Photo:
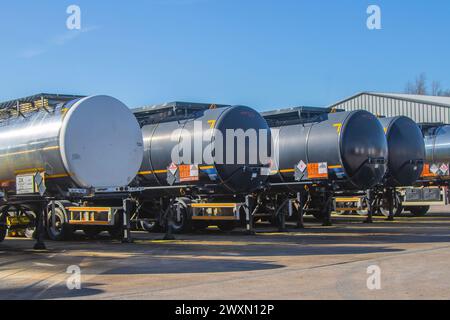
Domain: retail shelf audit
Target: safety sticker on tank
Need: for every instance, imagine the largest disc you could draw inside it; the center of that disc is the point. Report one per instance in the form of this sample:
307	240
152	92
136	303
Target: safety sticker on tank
434	169
189	173
318	170
173	168
444	169
302	166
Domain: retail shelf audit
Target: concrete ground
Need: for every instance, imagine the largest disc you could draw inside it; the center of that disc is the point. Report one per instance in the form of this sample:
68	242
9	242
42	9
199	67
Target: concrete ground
412	254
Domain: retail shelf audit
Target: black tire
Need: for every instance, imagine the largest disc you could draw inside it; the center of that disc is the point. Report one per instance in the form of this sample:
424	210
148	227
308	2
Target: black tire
419	211
62	230
184	224
3	227
226	226
30	232
384	211
116	231
149	226
3	233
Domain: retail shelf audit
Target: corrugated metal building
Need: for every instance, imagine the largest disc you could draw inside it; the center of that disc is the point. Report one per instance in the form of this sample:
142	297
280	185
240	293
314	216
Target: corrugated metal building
422	109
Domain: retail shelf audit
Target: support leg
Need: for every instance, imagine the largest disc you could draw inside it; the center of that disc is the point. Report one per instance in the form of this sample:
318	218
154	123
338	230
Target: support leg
282	217
249	216
370	207
53	214
126	221
390	198
327	218
169	223
40	227
301	212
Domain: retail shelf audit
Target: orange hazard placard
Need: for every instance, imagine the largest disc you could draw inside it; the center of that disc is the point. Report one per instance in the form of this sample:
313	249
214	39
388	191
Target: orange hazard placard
189	173
318	171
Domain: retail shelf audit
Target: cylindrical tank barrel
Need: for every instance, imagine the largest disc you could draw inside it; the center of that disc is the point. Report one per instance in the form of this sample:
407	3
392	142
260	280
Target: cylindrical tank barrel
92	142
351	146
406	151
204	148
438	145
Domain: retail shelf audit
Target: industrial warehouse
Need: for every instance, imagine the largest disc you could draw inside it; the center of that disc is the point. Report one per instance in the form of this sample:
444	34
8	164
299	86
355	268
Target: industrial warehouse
306	172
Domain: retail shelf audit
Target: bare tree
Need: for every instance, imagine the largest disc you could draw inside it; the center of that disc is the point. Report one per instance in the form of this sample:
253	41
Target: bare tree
436	88
419	86
444	93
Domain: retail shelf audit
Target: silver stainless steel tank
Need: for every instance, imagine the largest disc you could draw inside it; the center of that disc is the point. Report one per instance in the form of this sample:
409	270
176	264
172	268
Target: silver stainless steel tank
92	142
406	151
438	145
352	145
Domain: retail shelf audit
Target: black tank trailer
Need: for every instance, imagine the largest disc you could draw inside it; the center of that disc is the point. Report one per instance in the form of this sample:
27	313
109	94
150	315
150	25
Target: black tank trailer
405	164
322	154
195	182
432	187
406	154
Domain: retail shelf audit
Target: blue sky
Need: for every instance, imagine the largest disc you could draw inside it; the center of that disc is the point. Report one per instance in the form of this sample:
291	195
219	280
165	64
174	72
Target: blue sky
260	53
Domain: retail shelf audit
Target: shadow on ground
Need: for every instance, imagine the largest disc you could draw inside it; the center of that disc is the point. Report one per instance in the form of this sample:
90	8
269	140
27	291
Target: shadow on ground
39	292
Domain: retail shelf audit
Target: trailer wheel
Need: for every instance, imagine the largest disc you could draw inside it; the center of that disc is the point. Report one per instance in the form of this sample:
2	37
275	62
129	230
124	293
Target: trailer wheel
3	228
61	230
383	208
419	211
184	223
149	226
30	232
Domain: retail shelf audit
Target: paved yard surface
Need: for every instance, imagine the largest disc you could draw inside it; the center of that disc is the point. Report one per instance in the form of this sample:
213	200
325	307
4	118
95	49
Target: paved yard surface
413	255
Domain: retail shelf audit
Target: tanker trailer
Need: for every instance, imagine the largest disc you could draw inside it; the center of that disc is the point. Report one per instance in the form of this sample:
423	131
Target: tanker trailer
65	148
324	154
405	163
205	156
432	189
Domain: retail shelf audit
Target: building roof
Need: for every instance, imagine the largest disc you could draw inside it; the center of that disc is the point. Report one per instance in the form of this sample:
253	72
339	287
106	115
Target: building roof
433	100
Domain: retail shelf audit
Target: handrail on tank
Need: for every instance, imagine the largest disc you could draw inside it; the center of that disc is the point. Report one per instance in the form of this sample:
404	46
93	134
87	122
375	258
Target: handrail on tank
173	111
297	115
23	106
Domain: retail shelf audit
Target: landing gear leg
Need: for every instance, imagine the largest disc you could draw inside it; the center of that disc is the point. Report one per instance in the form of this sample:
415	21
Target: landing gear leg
40	227
327	218
390	197
370	208
282	217
301	212
127	203
249	216
169	223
